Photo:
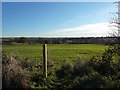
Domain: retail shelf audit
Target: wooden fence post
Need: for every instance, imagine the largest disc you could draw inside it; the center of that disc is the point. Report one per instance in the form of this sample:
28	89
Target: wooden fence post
45	60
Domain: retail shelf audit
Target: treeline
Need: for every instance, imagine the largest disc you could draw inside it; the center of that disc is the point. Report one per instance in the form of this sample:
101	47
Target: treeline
82	40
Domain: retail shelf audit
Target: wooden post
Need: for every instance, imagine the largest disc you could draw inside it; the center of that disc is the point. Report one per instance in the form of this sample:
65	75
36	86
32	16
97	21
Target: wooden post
45	60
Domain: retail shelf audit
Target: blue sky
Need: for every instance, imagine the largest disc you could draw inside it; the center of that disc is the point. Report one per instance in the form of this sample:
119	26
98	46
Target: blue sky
56	19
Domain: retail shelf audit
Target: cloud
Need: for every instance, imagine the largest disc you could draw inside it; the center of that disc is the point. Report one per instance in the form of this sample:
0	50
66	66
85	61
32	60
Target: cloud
89	30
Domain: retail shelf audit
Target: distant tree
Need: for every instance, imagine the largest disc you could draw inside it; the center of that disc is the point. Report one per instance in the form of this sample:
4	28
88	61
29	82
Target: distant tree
22	40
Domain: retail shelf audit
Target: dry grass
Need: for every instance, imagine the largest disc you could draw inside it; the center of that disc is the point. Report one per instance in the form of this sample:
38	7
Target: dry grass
13	76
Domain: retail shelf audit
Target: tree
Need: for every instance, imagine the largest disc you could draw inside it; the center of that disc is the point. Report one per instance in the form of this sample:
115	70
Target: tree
115	23
22	40
118	22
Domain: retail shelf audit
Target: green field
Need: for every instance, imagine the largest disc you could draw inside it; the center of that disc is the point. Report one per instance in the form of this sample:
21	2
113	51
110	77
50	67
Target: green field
56	52
65	69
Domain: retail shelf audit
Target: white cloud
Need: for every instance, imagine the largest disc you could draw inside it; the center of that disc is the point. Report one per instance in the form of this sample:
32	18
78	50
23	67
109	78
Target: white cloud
89	30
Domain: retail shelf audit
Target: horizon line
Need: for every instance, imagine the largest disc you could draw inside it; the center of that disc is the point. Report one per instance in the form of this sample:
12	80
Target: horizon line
51	37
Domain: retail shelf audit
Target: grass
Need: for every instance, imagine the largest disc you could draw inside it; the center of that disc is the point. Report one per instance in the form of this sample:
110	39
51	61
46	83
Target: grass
73	51
56	52
97	73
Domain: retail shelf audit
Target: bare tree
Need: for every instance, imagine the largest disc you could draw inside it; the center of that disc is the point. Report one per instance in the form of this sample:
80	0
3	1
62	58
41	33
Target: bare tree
119	22
115	24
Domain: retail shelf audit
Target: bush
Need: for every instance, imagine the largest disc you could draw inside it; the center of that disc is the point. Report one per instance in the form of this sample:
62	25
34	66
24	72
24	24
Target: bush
109	63
93	80
82	68
65	70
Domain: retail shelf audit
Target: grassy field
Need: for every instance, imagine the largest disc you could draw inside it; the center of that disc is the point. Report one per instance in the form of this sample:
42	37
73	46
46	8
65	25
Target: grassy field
60	73
56	52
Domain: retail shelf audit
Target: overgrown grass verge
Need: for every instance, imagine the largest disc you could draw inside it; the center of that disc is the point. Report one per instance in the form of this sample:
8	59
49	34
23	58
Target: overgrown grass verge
98	72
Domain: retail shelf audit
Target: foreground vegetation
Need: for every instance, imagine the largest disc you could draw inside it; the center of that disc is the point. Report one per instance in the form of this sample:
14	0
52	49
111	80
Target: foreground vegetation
101	71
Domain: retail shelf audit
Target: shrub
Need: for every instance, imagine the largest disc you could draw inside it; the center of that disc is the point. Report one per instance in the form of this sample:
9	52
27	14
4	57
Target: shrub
93	80
109	63
82	68
65	70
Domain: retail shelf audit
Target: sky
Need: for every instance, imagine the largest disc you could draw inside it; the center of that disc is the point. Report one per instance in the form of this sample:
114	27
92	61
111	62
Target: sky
56	19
